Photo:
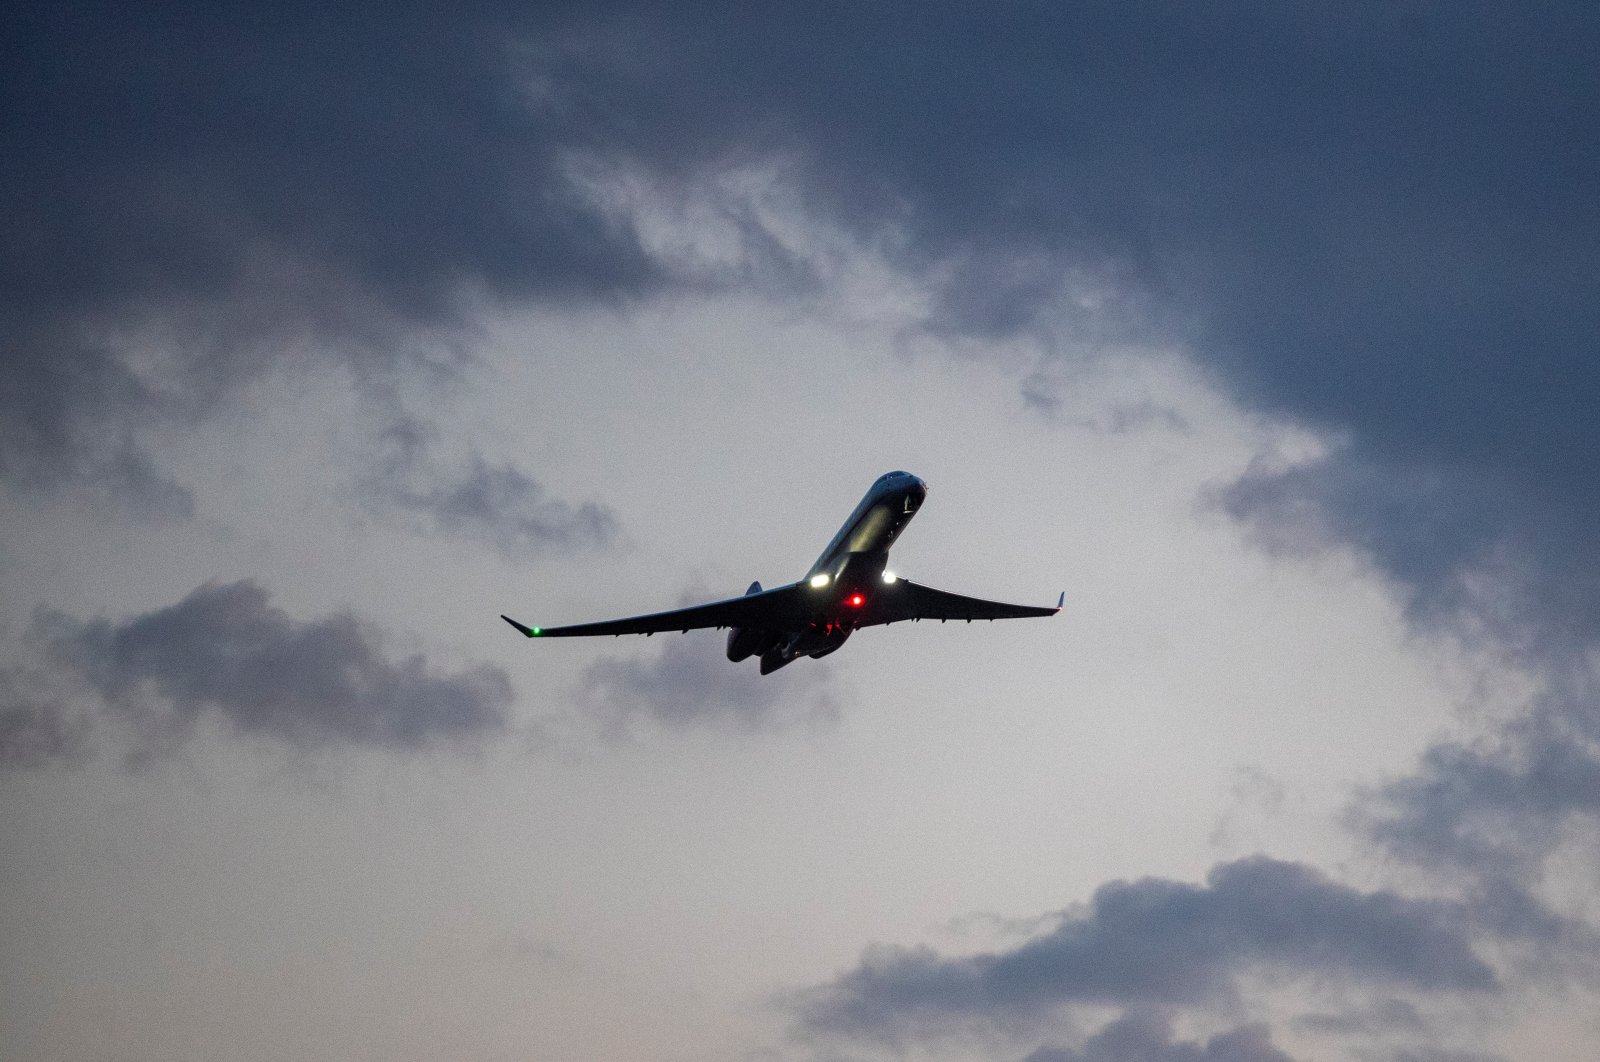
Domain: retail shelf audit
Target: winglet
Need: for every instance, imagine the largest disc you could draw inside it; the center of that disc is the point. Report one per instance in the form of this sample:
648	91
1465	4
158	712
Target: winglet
1062	600
531	632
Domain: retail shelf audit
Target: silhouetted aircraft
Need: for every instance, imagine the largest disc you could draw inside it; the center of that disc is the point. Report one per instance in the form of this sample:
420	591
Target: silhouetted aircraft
849	587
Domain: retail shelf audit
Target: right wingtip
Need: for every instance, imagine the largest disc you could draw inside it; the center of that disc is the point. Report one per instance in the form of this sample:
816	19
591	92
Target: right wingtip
528	632
1060	601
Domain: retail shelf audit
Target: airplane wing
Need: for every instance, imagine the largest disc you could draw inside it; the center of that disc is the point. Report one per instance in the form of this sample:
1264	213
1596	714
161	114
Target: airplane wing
780	608
906	600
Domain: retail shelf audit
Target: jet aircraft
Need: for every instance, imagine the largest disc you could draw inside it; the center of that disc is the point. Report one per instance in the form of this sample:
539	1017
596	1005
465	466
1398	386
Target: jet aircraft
849	587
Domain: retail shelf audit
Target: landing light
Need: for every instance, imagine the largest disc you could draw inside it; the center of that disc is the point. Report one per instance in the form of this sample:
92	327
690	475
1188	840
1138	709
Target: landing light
889	576
819	581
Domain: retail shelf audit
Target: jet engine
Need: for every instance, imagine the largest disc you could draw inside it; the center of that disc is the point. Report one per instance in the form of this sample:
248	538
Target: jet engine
748	641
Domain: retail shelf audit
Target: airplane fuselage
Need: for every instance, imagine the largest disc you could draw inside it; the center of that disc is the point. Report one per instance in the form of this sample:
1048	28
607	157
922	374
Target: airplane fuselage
853	565
859	553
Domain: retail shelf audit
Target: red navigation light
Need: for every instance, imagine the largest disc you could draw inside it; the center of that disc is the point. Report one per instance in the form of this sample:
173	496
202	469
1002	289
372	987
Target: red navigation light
856	601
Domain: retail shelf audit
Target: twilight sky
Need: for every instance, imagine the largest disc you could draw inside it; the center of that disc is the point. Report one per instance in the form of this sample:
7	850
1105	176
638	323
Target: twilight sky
1265	330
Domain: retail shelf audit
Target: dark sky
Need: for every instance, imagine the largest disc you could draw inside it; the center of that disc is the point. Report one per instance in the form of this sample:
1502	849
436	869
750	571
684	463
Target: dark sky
327	332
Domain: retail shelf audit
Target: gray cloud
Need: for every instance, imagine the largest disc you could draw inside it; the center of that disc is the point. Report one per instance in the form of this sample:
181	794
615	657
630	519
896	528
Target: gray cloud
1368	218
1385	1016
38	734
1496	808
1483	557
1145	1036
225	652
502	504
1436	1054
689	684
1163	942
201	194
495	503
1494	819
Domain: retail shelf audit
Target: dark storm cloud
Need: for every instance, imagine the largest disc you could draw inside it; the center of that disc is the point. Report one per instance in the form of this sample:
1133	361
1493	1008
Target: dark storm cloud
1164	942
196	193
690	684
226	652
1147	1037
1372	218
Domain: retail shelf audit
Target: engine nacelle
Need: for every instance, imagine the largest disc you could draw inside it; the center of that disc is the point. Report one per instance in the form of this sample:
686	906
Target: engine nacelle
748	641
776	657
744	642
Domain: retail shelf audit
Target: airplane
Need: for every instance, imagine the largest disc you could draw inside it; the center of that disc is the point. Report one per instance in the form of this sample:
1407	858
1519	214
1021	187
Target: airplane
850	587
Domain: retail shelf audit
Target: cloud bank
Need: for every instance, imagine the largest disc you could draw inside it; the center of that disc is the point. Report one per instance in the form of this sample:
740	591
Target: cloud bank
205	195
226	653
1369	219
1145	1036
1155	942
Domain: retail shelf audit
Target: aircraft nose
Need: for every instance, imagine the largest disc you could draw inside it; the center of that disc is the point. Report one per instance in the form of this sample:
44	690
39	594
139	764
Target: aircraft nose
916	492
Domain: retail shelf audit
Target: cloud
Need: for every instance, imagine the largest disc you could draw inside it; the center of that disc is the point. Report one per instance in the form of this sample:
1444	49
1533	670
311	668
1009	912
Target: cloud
38	734
495	503
1385	1015
502	504
1493	808
1358	218
1159	942
1370	229
1144	1036
203	194
1483	557
1373	230
689	684
1436	1054
1504	821
224	652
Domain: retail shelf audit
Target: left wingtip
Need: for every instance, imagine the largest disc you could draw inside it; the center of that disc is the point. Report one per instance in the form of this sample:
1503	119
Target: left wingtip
530	632
1060	601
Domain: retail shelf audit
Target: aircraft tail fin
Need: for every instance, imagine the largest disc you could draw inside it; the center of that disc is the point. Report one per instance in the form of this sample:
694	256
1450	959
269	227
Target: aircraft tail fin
755	588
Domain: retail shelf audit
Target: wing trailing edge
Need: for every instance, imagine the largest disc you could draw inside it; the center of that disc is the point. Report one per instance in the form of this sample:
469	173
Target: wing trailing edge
906	600
781	608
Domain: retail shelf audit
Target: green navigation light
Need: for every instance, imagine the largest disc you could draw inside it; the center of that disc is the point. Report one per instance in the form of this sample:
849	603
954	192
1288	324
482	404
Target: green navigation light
537	631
